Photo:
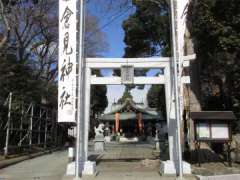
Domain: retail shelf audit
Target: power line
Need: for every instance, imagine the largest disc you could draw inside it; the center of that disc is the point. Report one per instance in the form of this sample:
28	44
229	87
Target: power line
117	15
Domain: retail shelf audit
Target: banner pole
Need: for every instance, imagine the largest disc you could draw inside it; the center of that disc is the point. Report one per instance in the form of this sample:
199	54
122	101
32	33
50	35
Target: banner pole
80	127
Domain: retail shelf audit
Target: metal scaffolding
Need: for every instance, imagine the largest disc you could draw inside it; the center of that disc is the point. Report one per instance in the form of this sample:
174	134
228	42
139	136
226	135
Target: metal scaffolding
25	126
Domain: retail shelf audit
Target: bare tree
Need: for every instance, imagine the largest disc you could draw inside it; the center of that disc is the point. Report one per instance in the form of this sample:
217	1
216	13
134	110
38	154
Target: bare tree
33	34
4	24
5	10
95	42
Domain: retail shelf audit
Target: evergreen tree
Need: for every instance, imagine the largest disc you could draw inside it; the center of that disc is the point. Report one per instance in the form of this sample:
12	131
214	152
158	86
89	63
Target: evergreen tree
156	98
126	95
147	31
215	28
99	99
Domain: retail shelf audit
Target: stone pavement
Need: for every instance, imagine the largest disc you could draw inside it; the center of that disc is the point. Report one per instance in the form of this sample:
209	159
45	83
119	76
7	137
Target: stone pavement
19	158
129	170
127	161
131	176
124	151
47	167
118	162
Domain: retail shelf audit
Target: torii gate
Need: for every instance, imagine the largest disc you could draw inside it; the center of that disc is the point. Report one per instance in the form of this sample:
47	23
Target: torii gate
166	79
68	52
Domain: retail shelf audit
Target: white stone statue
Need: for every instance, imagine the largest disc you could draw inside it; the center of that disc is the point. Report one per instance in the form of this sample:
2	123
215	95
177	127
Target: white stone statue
99	130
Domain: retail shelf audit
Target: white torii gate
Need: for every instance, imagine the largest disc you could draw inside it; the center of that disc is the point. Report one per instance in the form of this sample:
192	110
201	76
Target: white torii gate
172	165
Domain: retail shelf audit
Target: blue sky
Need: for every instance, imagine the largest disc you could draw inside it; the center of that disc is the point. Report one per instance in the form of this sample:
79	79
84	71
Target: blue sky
115	38
111	24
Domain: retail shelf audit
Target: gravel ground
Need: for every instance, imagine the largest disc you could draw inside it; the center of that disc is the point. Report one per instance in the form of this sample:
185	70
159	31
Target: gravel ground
218	168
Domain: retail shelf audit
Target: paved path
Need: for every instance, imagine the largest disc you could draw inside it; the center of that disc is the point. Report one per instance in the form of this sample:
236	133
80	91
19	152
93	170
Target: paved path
47	167
129	167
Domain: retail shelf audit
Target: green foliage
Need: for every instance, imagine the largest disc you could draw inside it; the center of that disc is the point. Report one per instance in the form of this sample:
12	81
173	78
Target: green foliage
99	99
215	28
147	31
126	95
18	78
156	98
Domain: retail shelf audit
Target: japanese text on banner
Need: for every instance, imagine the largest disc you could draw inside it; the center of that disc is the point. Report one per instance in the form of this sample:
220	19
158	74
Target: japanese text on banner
67	61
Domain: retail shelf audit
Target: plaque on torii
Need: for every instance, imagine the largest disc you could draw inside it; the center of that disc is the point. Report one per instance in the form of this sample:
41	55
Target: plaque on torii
127	74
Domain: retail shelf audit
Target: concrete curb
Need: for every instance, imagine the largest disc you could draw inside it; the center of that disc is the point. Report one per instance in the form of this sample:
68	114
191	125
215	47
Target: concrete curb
8	162
220	177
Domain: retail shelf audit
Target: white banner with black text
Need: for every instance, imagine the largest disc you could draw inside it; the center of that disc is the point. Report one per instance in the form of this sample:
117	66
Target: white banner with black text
67	61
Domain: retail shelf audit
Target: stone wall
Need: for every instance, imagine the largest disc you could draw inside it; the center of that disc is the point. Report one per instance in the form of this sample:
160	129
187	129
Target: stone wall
235	148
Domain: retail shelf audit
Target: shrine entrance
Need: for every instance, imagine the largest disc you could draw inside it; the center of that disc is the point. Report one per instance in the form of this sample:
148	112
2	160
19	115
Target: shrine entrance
74	90
133	120
165	79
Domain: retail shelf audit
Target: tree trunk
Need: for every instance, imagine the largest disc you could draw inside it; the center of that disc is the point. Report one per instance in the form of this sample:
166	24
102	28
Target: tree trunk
192	92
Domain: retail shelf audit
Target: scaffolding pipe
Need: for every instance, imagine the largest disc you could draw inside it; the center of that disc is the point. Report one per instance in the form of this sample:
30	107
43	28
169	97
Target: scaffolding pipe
39	126
8	124
45	131
21	127
31	127
53	128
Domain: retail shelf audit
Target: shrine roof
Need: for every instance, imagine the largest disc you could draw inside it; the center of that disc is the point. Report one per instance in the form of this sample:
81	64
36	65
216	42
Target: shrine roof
128	110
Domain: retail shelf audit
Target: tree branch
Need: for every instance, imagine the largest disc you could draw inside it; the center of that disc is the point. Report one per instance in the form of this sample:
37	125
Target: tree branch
7	26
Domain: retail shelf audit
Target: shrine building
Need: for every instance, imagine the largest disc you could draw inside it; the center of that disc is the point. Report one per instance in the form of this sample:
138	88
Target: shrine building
133	119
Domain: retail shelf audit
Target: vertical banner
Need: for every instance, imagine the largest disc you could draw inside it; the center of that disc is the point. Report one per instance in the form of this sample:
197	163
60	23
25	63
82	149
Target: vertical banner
67	61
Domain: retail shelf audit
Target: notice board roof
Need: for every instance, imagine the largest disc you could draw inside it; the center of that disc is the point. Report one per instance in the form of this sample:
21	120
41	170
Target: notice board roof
213	115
